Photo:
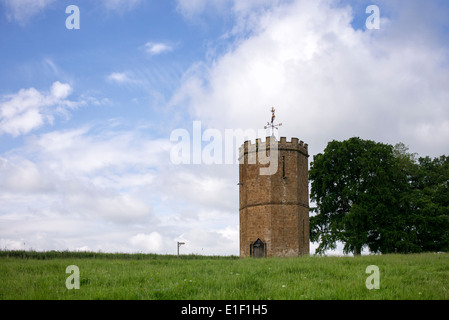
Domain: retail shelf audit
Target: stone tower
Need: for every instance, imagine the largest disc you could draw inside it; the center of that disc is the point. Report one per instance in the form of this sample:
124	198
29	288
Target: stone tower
274	207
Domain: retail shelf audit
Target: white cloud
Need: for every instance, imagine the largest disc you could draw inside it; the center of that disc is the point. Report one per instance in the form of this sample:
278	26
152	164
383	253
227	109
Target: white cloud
106	188
152	242
60	90
155	48
327	80
119	77
203	188
23	176
89	150
76	188
23	10
30	109
88	201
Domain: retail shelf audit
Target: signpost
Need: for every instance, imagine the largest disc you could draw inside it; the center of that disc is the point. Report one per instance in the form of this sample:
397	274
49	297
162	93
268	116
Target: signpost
180	244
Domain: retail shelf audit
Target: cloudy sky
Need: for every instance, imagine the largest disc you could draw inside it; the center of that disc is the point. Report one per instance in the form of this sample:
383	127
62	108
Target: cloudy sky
86	114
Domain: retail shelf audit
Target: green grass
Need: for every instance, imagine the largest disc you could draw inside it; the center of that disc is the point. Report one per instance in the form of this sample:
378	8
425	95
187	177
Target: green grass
39	275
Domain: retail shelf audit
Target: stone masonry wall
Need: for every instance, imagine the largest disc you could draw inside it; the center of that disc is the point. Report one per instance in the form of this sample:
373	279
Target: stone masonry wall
275	208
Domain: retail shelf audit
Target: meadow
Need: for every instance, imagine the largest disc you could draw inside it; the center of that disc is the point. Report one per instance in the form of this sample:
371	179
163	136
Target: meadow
42	276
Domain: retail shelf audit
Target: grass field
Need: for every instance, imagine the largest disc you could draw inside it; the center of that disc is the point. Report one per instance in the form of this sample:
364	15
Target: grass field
39	275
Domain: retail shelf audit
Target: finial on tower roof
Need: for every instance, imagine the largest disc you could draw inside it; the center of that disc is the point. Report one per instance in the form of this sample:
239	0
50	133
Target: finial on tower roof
271	124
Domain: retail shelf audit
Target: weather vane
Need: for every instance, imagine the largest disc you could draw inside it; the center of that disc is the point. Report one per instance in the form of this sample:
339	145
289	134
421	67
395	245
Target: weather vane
271	124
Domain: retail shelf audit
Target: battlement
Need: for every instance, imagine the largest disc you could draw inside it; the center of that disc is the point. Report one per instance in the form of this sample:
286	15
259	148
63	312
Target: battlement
294	145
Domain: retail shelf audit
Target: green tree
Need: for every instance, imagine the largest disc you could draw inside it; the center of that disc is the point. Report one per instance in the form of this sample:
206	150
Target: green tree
387	199
427	198
429	201
358	189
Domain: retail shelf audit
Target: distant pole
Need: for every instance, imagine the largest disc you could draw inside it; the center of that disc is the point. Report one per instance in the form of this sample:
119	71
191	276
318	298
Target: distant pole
180	244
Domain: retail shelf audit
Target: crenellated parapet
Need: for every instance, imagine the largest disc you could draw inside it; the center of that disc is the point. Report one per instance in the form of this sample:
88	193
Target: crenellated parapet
271	142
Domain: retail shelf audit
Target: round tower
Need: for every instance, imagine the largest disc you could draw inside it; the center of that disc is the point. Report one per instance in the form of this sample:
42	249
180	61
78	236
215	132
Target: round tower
274	198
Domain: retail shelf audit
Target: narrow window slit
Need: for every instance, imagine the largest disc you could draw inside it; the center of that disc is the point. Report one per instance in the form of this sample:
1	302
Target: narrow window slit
283	167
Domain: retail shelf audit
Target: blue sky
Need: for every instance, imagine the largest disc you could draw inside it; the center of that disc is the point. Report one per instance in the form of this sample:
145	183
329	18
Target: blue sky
110	41
86	115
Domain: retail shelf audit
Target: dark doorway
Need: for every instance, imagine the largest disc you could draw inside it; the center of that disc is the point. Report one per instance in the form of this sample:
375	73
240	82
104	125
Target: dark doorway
257	249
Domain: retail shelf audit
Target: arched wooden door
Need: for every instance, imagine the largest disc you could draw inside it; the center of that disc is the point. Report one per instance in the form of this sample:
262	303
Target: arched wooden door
258	249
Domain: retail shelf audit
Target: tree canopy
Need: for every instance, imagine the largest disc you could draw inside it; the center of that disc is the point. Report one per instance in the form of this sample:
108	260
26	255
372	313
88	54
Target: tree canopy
374	195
